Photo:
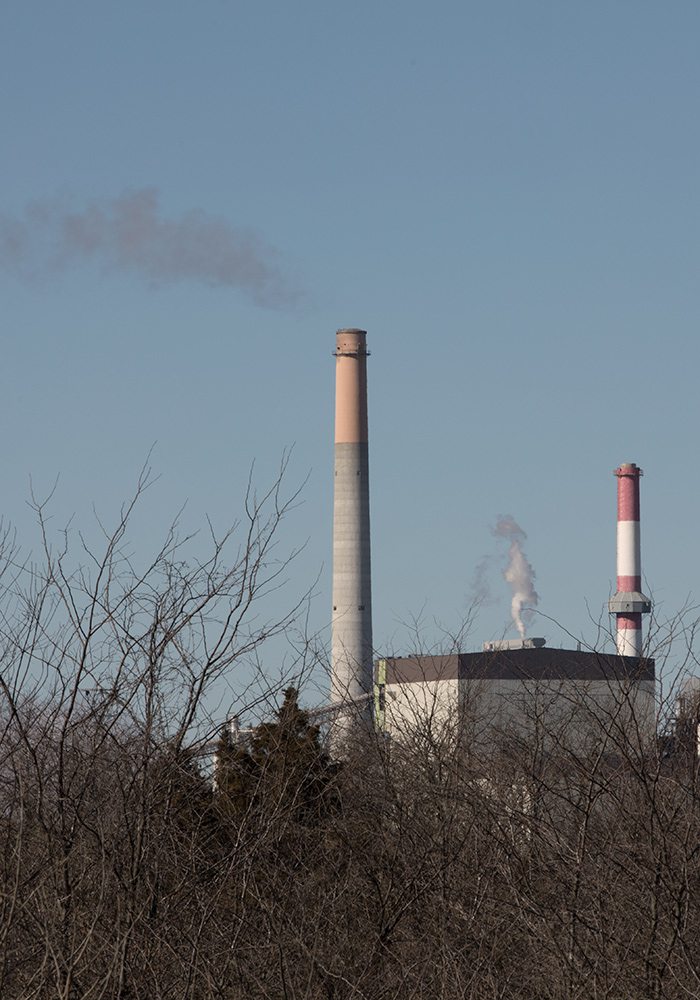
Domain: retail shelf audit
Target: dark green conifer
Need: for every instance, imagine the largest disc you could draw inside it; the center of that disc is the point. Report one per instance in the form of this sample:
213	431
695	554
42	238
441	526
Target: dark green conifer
280	769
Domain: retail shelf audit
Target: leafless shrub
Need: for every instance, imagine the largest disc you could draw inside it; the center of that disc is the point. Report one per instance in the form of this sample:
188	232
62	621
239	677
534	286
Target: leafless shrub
456	862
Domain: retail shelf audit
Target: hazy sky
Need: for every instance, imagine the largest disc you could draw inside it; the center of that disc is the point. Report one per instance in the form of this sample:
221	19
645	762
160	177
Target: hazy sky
503	193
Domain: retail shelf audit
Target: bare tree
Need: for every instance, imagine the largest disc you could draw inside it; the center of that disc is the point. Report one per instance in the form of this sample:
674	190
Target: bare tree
458	861
107	672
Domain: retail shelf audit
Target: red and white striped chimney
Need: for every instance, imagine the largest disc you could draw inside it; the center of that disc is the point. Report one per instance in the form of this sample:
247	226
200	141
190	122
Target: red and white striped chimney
629	603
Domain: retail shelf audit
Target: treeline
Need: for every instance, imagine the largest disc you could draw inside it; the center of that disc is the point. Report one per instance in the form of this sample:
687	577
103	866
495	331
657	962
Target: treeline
413	871
418	869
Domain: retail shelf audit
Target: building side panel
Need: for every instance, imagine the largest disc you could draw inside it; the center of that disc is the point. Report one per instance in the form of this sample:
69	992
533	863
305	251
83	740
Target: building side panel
492	713
422	709
569	715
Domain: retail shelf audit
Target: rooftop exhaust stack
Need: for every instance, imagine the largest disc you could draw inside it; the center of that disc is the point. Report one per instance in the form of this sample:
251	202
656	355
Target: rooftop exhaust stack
351	651
629	603
499	645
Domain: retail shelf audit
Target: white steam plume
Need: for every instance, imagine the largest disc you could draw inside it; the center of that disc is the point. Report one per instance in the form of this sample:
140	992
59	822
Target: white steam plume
129	233
519	573
480	594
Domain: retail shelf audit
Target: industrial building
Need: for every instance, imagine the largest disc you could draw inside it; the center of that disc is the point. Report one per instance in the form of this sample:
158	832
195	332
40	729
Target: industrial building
522	690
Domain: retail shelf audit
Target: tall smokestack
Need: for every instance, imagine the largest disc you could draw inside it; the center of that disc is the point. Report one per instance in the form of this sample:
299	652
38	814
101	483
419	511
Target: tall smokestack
629	603
352	588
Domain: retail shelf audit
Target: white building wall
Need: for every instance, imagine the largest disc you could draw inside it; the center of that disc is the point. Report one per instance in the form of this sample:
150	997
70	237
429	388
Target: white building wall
571	714
426	708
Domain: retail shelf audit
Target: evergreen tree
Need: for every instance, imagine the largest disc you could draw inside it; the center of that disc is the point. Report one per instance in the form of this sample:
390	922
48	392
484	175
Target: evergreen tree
280	769
234	775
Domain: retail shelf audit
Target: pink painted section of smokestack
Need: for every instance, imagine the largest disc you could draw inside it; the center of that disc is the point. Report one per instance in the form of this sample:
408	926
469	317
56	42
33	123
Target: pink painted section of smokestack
629	603
350	387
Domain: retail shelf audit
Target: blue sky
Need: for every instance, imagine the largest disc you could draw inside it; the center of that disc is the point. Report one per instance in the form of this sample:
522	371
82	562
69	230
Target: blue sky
504	194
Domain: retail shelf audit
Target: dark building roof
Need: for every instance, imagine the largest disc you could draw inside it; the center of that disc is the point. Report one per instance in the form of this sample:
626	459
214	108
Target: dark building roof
543	664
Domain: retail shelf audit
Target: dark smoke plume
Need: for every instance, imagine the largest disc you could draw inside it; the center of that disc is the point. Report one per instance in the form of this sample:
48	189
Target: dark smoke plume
130	234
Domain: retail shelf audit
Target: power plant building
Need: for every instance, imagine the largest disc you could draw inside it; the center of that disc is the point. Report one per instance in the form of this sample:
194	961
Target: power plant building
523	690
511	688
